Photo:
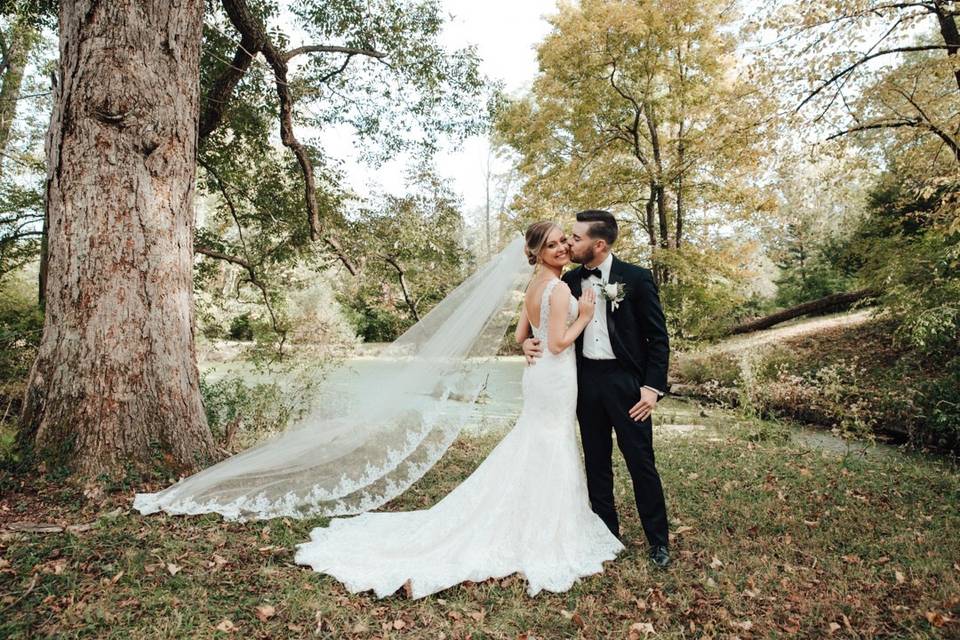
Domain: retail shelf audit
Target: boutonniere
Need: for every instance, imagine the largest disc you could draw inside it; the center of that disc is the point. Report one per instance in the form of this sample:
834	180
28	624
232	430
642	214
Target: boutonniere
615	292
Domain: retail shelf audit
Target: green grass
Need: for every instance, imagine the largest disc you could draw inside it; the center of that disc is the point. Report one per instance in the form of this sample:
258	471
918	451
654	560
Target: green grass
771	539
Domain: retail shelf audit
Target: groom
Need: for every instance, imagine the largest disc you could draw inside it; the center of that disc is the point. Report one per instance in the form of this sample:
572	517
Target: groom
622	360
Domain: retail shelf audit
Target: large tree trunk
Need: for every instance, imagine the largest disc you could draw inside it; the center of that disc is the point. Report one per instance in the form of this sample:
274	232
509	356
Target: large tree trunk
22	39
115	382
833	302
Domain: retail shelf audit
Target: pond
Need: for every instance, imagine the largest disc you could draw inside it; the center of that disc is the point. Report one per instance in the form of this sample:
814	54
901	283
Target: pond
502	401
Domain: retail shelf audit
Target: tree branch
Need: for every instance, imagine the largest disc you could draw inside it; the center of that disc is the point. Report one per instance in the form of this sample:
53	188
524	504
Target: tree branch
862	60
403	285
251	27
224	85
321	48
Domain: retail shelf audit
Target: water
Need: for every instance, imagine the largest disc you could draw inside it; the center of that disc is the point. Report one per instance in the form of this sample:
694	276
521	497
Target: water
501	402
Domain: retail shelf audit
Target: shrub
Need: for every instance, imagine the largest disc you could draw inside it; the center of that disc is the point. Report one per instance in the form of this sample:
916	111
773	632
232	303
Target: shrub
241	327
718	367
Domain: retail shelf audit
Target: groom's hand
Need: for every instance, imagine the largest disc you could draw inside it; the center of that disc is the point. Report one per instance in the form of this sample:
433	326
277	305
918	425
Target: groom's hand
642	410
532	350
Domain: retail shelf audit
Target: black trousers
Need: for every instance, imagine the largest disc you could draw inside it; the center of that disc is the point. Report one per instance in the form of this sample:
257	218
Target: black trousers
606	392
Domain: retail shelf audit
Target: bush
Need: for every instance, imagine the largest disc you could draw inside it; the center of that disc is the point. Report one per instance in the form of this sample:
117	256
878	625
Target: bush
241	327
938	403
717	367
21	326
241	413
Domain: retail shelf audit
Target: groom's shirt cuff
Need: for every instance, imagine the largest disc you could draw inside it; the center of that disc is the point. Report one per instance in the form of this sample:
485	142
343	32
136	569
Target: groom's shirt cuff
657	391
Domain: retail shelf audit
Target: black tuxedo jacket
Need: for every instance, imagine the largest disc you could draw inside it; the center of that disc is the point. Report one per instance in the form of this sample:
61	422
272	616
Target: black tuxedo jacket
638	330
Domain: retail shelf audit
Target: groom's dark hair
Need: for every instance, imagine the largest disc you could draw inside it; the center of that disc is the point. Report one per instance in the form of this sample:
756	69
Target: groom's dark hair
603	225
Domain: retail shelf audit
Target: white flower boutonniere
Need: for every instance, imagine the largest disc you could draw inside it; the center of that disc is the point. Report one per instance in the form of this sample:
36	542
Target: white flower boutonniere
615	292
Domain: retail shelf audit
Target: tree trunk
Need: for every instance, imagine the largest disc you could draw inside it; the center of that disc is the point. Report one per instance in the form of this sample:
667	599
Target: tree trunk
950	34
23	37
403	287
827	303
681	158
115	382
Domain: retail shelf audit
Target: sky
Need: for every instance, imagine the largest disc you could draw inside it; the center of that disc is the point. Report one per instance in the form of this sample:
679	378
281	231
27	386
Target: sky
506	33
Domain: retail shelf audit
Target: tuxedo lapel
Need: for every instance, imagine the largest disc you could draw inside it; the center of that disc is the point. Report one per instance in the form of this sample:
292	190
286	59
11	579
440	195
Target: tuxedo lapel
576	282
616	275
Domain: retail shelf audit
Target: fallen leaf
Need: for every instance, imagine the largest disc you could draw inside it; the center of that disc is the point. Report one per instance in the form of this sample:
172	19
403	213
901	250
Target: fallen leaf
682	530
638	628
217	562
832	628
716	563
174	569
265	611
900	578
399	624
227	626
936	618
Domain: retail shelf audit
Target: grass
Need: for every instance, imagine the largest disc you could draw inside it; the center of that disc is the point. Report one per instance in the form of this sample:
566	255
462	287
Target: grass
771	539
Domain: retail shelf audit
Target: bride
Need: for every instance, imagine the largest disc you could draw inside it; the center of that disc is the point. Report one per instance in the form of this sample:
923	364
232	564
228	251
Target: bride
525	509
377	428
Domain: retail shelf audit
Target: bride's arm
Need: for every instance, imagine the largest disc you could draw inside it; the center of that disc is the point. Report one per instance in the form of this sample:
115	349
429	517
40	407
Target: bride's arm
559	335
523	326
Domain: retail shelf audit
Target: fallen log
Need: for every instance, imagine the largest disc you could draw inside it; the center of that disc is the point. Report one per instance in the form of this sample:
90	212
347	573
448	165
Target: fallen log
832	302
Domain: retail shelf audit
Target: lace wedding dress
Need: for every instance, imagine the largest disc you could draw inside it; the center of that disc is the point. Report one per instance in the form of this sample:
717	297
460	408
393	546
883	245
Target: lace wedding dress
525	509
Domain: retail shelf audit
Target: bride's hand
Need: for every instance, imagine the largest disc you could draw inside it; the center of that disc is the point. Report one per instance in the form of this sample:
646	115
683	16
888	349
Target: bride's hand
588	301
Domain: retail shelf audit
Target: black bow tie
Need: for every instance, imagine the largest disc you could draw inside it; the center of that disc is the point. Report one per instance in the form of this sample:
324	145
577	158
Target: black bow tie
592	272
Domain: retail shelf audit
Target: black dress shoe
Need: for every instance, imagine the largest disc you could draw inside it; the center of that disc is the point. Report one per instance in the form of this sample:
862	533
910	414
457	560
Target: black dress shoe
660	556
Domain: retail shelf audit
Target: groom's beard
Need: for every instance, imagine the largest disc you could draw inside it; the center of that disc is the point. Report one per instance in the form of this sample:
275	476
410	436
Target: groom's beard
583	258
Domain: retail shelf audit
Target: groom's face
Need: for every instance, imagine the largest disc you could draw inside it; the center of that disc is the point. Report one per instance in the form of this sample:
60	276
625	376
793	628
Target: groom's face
583	248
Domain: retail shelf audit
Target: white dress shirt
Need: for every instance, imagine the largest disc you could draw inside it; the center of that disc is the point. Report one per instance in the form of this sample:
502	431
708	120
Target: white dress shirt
596	335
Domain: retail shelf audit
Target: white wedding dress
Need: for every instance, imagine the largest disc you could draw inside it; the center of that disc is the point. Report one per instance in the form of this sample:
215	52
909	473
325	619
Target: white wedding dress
525	509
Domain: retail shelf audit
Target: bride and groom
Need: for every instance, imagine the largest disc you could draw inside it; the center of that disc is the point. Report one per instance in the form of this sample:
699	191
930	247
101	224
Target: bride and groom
597	345
597	351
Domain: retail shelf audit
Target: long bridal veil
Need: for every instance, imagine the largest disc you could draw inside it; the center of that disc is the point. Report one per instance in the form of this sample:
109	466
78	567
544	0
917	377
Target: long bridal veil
370	436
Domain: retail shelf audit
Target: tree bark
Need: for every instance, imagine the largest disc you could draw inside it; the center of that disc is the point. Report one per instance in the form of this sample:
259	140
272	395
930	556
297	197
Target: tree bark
23	37
950	33
827	303
115	382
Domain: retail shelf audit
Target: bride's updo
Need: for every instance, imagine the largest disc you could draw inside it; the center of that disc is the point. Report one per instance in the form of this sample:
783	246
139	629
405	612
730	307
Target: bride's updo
536	237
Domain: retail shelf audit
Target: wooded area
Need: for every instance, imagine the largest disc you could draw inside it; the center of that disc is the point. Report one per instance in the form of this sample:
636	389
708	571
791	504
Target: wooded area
764	166
187	253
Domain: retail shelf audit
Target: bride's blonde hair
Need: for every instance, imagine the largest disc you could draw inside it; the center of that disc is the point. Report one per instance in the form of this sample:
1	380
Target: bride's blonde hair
537	237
